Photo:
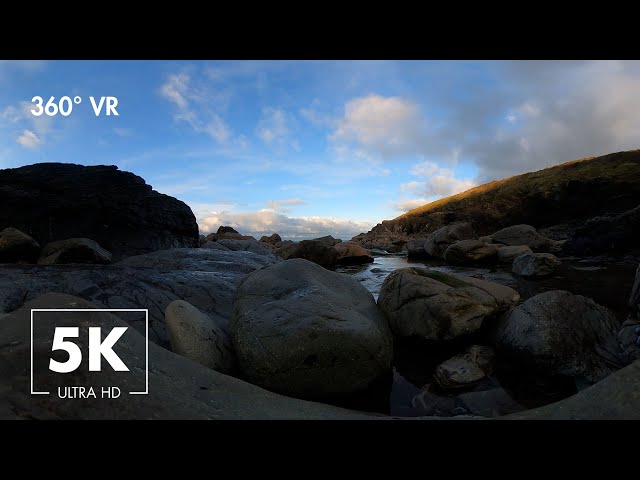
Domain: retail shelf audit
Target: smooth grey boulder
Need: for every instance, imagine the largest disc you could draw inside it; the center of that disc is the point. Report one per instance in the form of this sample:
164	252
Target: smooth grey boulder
17	246
559	333
438	241
194	335
73	250
508	254
246	246
535	264
471	252
302	330
524	235
440	306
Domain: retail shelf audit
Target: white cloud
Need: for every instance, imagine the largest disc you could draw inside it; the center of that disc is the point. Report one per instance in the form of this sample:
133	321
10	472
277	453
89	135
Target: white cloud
278	205
195	102
28	139
381	127
406	205
439	181
266	222
273	129
11	114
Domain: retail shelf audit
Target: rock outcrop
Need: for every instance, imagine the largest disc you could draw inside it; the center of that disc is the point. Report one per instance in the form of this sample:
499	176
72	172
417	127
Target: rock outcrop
518	235
350	253
57	201
203	277
471	252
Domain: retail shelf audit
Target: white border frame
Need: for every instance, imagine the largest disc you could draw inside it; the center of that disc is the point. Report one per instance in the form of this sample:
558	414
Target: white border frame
146	338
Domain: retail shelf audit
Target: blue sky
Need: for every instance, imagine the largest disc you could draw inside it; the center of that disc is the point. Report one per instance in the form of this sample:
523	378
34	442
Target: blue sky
307	148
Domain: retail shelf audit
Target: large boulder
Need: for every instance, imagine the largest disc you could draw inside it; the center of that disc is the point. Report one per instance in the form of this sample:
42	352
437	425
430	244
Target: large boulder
304	331
508	254
524	235
437	242
471	252
73	250
203	277
350	253
558	333
178	387
194	335
316	251
440	306
415	248
56	201
16	246
535	264
616	234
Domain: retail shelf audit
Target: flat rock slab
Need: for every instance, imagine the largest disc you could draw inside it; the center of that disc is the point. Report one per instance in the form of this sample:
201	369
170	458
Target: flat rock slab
203	277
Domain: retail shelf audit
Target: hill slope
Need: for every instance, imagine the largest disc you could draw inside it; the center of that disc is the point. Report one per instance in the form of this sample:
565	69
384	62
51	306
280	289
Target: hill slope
568	193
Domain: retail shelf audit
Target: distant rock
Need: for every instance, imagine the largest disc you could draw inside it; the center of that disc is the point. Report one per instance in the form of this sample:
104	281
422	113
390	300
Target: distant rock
245	245
466	369
471	252
57	201
437	243
316	251
327	241
440	306
350	253
73	250
202	240
223	229
559	333
194	335
304	331
16	246
508	254
273	239
524	235
535	264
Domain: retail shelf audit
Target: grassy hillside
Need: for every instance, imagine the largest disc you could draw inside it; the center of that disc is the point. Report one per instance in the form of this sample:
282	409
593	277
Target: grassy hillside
565	193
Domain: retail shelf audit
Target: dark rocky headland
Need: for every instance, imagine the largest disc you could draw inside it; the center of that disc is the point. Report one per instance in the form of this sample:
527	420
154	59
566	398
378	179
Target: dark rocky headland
519	299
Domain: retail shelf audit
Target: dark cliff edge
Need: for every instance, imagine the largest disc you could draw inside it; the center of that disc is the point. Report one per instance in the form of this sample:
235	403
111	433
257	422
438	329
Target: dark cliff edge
55	201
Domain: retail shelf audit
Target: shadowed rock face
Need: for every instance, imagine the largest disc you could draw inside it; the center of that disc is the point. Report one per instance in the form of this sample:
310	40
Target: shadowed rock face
57	201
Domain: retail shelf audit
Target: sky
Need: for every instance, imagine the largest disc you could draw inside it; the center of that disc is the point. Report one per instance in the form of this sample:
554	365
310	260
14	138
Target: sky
310	148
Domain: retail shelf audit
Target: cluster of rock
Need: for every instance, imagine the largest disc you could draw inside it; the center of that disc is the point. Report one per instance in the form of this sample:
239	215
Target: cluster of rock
18	247
553	334
521	246
325	251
